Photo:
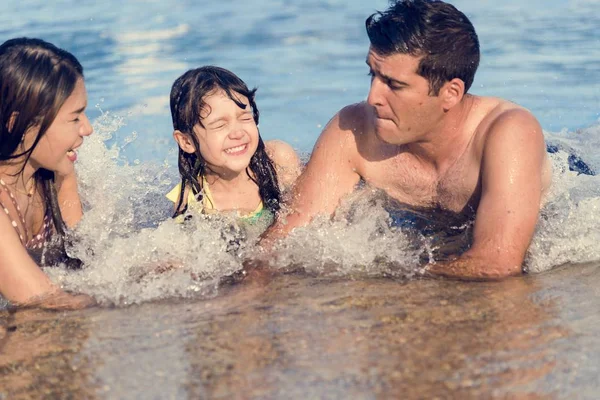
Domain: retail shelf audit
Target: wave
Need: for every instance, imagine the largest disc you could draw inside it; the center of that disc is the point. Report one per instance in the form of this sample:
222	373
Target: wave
134	252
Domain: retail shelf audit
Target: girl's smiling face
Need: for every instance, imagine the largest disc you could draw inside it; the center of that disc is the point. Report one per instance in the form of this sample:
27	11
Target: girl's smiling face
56	150
228	136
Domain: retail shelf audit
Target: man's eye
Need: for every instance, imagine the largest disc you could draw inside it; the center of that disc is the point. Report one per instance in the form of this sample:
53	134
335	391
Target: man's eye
393	86
76	120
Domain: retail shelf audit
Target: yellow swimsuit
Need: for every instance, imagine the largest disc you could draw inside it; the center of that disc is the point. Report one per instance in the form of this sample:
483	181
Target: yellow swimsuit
208	206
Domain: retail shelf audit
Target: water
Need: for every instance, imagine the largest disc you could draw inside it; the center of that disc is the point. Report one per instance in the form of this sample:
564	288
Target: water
357	321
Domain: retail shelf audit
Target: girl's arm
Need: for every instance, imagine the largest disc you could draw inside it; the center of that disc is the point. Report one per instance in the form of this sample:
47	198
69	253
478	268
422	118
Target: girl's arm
68	199
286	161
22	282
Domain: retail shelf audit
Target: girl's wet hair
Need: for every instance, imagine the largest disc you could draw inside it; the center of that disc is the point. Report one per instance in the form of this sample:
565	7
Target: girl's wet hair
187	102
36	78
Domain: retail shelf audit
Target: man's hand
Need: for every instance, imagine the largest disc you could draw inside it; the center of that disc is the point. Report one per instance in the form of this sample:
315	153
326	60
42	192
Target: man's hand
473	269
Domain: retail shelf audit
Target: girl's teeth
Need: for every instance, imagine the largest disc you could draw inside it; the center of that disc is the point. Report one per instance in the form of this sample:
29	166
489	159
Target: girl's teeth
235	149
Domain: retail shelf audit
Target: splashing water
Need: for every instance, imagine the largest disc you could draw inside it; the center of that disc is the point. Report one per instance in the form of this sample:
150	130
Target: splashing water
359	241
568	230
134	251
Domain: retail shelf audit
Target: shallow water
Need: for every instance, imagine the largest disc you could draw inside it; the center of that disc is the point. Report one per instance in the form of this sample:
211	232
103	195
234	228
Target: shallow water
358	321
297	336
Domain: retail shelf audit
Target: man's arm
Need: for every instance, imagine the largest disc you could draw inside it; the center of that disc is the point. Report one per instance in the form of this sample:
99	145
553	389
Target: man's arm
329	175
512	170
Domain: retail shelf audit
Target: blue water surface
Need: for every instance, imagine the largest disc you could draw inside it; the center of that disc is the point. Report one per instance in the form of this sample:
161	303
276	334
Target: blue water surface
307	58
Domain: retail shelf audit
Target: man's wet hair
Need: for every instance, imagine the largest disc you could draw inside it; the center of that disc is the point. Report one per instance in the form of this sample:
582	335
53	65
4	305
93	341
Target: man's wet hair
436	31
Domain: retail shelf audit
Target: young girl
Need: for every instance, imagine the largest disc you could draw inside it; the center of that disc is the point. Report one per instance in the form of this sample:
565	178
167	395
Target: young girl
224	164
42	123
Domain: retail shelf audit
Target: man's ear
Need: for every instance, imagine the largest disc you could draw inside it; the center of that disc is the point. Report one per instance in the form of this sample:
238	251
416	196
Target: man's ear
452	93
184	142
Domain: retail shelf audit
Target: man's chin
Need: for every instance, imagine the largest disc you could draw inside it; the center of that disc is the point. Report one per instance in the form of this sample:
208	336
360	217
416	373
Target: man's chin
385	136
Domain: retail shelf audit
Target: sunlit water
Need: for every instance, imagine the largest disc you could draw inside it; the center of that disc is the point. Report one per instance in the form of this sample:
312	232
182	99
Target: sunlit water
307	58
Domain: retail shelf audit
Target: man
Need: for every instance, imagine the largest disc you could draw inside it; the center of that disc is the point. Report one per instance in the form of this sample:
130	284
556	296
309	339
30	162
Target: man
427	143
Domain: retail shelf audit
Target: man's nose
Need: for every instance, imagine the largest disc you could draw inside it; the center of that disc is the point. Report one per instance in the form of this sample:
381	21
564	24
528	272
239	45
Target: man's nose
375	97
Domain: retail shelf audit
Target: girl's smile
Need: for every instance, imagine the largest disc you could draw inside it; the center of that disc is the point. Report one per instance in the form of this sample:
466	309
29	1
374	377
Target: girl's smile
238	150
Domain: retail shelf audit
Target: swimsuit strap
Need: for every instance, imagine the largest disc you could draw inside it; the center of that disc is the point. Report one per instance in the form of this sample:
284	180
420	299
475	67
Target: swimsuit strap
37	241
23	235
209	203
207	195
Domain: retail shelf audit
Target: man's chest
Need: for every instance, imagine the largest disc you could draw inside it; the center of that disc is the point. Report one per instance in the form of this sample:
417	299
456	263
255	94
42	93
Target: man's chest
405	180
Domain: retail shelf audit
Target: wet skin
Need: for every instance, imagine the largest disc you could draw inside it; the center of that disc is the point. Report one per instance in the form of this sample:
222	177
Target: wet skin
454	151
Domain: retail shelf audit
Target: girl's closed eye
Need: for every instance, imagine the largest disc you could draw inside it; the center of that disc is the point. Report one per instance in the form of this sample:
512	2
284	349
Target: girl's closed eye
220	124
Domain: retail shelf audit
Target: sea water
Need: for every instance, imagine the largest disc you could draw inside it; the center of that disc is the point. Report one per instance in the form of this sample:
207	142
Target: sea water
307	59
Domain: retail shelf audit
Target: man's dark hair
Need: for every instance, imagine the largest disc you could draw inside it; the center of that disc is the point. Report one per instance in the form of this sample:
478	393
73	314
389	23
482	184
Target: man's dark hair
432	29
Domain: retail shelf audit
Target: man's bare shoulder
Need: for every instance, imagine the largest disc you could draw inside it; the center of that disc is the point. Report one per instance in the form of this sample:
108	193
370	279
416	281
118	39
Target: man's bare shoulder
355	118
351	121
345	131
511	120
496	110
501	120
513	133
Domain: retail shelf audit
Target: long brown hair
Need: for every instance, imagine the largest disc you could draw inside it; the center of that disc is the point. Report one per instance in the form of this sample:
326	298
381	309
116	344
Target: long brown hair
36	78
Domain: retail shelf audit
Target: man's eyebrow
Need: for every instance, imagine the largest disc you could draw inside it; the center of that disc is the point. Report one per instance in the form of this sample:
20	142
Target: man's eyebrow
387	78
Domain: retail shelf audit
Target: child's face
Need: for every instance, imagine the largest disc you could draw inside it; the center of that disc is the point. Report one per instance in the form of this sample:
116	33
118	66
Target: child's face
229	137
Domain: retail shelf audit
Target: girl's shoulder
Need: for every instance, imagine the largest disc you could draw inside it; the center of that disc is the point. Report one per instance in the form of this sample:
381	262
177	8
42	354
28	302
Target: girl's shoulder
286	160
281	152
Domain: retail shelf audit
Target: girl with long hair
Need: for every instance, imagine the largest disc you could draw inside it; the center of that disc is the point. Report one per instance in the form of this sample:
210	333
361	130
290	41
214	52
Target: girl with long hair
223	162
42	123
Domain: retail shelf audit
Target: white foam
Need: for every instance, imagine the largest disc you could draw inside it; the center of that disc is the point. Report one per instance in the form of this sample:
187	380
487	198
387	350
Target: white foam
134	251
568	230
358	241
126	232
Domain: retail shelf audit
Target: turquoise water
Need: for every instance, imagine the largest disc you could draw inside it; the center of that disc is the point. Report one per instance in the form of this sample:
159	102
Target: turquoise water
307	58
